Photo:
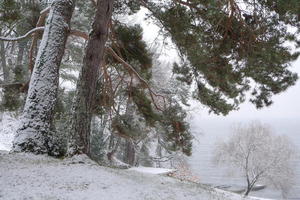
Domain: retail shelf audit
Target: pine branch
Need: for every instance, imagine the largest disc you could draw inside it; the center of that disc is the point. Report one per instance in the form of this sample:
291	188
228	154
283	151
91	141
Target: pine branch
79	34
126	65
17	84
37	29
131	69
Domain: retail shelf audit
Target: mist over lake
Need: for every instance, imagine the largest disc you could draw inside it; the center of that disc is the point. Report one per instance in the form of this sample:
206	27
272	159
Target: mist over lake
209	131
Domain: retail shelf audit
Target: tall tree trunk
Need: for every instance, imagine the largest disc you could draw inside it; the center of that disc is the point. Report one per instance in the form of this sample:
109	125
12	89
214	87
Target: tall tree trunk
11	97
19	68
248	190
9	102
129	151
3	63
129	154
249	187
35	134
86	86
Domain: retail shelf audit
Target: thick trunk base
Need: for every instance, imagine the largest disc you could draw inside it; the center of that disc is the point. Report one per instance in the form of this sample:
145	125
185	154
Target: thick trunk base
35	133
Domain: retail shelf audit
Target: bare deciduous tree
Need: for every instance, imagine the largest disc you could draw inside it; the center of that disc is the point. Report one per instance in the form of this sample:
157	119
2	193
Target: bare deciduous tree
260	155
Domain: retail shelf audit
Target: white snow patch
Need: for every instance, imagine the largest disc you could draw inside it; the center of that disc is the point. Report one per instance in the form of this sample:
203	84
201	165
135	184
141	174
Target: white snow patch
152	170
8	127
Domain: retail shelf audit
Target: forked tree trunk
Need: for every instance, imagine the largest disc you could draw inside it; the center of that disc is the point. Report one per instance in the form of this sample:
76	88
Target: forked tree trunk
248	190
86	86
250	185
35	131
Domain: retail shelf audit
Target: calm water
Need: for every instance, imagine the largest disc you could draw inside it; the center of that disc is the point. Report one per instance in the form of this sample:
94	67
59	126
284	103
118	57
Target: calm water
214	130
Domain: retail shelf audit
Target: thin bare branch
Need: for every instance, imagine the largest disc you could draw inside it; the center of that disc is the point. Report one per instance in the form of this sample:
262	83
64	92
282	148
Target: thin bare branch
29	33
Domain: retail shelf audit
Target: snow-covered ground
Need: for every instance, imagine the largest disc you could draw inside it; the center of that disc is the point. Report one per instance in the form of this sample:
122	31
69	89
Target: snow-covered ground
152	170
32	177
27	176
8	125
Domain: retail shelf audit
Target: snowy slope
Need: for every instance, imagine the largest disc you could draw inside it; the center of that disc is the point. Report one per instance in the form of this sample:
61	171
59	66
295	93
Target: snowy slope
26	176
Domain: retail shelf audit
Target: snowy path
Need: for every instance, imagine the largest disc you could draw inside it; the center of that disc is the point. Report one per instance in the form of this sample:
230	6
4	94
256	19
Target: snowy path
25	176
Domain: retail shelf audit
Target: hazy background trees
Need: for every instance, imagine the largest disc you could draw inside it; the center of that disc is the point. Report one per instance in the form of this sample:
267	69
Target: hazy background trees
260	155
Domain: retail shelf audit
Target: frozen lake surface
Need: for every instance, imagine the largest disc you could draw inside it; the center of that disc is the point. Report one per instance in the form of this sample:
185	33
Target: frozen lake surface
214	130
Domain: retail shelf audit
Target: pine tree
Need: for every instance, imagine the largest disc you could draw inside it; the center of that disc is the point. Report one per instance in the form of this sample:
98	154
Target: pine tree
222	49
225	53
86	86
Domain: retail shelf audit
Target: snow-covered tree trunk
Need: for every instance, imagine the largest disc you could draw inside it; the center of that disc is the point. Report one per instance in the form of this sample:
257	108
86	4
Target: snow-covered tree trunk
86	86
35	132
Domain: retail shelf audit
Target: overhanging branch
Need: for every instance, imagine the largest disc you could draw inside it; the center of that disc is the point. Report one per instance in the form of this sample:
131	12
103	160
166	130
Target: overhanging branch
29	33
126	65
131	69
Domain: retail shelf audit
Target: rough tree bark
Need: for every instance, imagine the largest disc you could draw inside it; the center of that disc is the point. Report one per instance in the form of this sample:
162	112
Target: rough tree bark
86	85
3	62
129	154
7	101
35	131
19	69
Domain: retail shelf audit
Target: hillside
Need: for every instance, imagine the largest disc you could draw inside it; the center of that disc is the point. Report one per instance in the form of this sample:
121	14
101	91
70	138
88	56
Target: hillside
27	176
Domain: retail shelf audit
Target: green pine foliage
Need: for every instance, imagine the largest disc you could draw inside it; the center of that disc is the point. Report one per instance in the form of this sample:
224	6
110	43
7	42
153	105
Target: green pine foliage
223	49
10	11
176	130
127	127
131	47
144	106
225	53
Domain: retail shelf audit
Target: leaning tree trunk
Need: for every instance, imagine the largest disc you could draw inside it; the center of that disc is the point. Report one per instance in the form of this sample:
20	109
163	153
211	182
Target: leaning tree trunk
86	86
35	131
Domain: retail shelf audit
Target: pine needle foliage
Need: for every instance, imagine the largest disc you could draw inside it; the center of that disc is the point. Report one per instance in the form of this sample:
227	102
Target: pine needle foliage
176	130
225	48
